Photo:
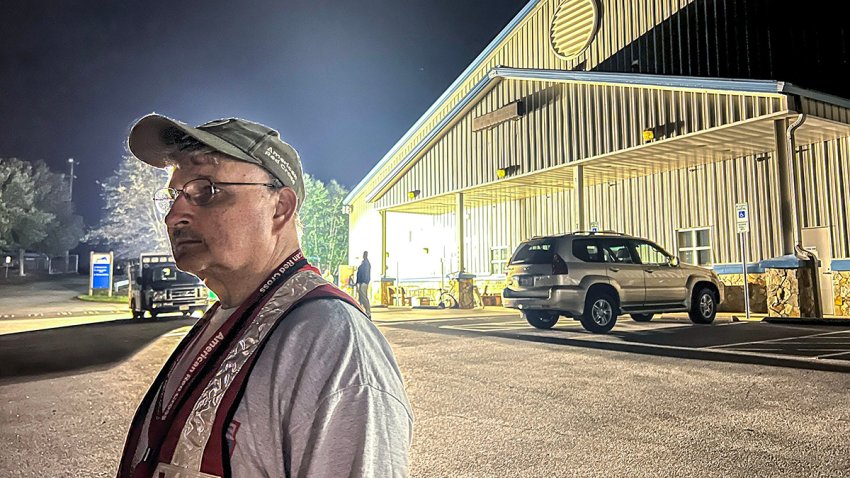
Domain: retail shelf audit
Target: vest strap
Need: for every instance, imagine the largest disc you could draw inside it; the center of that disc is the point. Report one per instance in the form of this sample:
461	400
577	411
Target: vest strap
189	452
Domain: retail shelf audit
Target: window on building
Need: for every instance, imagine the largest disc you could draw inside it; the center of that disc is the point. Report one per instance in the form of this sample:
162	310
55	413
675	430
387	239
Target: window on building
695	246
499	259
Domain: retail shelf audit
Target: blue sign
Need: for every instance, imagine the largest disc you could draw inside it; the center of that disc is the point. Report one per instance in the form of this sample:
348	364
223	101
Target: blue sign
101	271
742	214
100	276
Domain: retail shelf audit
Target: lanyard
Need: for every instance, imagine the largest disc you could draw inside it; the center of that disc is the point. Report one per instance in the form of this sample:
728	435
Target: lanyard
164	415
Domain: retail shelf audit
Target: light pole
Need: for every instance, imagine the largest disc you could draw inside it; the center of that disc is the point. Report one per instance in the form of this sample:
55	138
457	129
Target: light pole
71	180
70	199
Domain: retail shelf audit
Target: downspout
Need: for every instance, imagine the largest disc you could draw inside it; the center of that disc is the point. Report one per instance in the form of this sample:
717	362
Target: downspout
800	252
791	144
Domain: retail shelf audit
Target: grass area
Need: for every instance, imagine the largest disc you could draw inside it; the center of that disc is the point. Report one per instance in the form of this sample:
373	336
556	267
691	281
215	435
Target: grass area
115	299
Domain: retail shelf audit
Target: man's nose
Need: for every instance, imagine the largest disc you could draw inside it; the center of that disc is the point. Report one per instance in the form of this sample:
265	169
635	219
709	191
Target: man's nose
180	213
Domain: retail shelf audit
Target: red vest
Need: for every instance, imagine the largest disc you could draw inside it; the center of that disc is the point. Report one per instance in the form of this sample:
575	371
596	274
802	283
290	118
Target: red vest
186	433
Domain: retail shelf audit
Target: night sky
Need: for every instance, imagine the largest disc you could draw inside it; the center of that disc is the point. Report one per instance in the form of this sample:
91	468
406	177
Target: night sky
342	81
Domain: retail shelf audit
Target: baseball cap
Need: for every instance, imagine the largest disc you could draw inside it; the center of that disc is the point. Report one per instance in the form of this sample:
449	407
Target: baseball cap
154	136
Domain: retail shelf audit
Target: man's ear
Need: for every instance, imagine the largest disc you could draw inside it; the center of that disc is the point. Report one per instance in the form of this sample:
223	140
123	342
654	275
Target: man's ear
286	206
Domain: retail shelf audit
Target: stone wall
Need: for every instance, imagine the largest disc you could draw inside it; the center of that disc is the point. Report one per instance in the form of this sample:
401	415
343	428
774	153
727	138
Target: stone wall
790	292
734	292
841	289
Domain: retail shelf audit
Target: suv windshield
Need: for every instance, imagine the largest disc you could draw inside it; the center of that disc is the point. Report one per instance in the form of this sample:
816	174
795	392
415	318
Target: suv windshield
533	252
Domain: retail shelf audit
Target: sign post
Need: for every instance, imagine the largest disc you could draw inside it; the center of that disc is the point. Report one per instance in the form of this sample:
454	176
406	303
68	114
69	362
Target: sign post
100	272
742	221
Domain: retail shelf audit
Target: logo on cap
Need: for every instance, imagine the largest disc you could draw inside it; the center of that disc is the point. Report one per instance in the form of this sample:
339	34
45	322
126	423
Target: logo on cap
281	161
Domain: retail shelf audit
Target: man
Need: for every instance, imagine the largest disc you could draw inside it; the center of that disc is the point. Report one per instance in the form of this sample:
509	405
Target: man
283	376
364	275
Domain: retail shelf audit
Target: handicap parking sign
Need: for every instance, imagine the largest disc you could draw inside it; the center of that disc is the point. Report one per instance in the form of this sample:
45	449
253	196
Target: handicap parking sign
742	220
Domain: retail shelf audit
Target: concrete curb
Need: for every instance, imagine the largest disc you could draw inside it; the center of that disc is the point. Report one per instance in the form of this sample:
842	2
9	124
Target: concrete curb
807	321
52	315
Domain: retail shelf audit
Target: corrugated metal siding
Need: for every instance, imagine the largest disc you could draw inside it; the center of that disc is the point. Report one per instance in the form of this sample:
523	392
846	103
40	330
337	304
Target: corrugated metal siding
528	47
719	38
823	185
565	123
569	122
658	205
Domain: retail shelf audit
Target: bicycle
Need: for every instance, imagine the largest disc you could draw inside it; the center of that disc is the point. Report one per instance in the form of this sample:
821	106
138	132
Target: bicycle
447	297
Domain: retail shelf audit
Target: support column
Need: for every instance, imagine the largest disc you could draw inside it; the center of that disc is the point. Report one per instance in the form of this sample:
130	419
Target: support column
460	233
465	282
787	214
581	221
792	279
383	243
387	283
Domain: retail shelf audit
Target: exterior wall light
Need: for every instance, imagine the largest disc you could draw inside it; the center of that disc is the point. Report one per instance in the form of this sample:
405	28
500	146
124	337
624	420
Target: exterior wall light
505	171
413	194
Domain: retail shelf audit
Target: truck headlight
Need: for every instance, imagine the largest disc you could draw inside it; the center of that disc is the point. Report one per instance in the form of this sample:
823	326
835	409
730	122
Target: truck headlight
159	295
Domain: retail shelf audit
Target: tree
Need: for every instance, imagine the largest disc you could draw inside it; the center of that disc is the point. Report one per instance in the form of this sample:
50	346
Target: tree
325	225
53	196
22	224
132	224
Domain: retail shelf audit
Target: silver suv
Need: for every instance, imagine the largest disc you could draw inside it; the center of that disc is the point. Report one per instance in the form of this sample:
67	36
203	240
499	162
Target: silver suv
594	277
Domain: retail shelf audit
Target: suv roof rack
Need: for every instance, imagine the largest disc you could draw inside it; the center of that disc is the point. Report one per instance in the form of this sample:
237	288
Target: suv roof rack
547	236
591	233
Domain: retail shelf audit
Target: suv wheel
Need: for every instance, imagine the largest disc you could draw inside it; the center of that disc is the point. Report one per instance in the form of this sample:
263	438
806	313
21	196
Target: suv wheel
703	307
600	313
542	319
642	317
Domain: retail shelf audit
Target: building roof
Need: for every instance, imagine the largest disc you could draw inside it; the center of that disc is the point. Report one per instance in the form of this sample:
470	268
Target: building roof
588	77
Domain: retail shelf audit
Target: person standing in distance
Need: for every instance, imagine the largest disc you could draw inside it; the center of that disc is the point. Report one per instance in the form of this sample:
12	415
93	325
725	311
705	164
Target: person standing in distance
364	276
282	377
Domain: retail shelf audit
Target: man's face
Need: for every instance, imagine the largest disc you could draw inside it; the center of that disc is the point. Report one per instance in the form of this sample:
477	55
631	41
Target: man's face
233	232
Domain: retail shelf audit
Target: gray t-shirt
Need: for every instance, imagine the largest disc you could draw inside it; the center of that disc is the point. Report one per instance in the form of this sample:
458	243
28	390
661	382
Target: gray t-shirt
325	399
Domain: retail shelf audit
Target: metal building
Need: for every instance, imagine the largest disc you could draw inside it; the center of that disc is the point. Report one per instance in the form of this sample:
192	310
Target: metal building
648	117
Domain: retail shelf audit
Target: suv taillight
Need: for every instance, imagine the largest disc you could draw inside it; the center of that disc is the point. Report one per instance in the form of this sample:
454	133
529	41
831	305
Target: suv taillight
558	265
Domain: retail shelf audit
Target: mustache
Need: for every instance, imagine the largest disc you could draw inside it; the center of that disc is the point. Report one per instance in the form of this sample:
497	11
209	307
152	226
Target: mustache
183	234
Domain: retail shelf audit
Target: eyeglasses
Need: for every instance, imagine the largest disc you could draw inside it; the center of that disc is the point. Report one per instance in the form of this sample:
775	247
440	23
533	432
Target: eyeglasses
199	192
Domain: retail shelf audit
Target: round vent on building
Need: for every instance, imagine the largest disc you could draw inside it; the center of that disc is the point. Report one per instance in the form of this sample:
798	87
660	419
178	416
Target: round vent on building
573	27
